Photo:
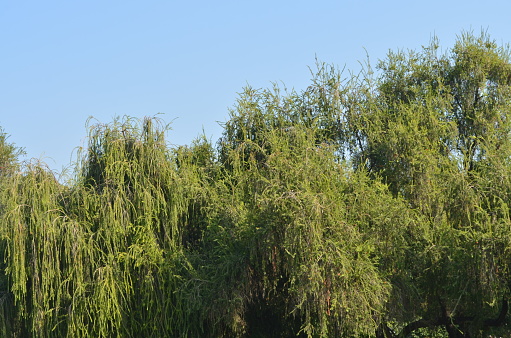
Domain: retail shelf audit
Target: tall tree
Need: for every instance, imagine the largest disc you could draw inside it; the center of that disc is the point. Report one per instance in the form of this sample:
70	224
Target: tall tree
438	134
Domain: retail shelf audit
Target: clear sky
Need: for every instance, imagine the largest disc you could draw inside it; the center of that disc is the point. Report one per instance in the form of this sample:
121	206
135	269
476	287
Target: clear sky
63	61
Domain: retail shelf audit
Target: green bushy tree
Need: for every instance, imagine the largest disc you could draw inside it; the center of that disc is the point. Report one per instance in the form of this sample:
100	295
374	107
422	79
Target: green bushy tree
374	204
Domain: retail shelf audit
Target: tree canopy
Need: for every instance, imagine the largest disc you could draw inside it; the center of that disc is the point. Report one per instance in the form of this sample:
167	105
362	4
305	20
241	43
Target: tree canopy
366	205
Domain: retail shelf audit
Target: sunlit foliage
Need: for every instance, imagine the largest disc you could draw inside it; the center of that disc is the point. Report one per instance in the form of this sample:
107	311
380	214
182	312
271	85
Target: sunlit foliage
367	205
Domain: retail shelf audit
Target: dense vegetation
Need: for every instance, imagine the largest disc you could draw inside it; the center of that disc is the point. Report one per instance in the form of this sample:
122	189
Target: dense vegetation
374	205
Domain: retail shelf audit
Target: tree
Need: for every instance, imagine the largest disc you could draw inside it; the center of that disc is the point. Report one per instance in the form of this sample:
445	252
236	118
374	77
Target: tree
376	204
9	165
438	134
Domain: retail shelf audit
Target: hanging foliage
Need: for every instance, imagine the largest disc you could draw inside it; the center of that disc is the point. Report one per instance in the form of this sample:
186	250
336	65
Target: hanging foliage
374	205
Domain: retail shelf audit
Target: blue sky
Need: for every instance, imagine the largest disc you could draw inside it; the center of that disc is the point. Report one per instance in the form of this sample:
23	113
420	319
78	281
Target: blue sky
63	61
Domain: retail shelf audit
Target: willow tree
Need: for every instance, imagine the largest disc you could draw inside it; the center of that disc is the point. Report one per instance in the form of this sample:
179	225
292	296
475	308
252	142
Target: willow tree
102	256
436	128
375	204
9	165
306	231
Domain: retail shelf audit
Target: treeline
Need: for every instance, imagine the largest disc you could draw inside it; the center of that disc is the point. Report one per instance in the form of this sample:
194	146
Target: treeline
367	205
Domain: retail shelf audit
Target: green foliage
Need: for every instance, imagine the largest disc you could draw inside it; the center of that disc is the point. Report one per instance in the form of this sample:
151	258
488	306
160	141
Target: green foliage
8	155
439	136
374	204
